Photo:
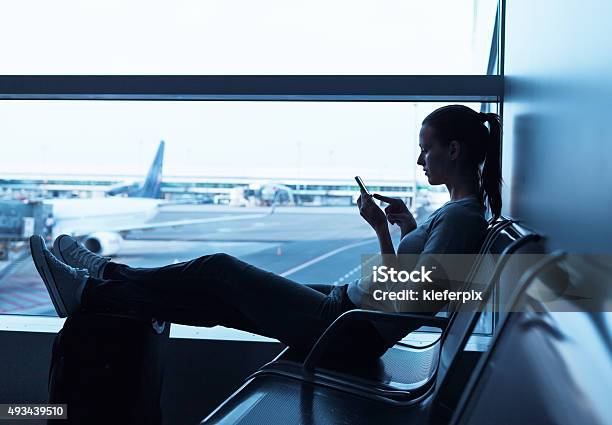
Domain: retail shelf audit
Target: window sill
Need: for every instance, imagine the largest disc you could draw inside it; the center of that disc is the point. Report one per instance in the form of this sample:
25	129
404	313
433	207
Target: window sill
46	324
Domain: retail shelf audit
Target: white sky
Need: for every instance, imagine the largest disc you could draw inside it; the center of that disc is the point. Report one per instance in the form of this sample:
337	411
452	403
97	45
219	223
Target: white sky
272	139
245	36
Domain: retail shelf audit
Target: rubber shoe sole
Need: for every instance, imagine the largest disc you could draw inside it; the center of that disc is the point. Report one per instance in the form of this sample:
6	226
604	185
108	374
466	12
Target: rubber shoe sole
37	247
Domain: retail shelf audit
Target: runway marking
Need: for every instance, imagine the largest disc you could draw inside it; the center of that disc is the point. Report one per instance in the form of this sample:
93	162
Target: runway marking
347	275
324	256
187	222
23	309
28	296
8	301
351	272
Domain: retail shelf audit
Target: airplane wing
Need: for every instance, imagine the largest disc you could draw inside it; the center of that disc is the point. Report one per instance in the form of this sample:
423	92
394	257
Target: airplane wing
186	222
123	230
106	239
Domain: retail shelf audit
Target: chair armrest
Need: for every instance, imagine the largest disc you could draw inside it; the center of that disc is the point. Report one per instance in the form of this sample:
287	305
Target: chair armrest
399	319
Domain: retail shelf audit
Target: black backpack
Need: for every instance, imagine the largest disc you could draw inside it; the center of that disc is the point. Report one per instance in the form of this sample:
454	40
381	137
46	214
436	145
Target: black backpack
108	369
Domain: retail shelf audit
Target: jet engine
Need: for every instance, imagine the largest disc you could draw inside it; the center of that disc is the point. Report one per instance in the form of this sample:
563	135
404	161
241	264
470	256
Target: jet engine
103	243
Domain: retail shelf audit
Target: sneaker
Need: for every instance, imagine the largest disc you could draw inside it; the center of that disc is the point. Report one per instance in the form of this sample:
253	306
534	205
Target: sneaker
64	283
67	249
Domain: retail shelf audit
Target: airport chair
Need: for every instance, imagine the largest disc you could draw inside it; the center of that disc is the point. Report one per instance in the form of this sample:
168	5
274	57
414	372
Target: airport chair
509	278
282	398
405	372
548	365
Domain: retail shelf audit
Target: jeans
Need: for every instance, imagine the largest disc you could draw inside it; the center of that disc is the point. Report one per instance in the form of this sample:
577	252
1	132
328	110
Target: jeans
220	289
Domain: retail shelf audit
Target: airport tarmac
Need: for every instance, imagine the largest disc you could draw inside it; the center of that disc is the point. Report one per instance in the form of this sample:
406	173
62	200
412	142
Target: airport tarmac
305	244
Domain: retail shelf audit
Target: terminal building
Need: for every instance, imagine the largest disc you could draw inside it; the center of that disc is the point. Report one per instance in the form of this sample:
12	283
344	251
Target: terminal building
206	189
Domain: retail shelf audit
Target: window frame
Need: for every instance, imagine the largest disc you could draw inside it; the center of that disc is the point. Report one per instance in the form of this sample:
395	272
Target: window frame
382	88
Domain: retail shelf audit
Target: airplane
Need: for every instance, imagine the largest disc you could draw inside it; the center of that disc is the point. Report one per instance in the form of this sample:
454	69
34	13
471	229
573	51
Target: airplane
101	224
272	193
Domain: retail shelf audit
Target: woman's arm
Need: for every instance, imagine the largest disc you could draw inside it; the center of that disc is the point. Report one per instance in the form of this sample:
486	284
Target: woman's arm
377	219
398	213
387	250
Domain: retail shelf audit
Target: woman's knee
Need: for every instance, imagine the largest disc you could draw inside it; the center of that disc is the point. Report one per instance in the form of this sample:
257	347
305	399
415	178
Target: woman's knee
218	258
215	265
222	258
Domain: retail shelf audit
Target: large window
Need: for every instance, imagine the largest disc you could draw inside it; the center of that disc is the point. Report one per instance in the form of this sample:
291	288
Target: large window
269	182
267	109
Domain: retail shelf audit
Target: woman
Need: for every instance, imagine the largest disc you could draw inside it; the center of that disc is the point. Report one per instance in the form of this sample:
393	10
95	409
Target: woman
219	289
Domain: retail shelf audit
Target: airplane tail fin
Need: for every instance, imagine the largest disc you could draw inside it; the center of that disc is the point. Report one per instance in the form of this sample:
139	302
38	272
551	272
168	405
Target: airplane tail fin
152	185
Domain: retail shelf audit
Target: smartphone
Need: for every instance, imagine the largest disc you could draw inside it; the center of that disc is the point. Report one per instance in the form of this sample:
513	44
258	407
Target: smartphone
362	186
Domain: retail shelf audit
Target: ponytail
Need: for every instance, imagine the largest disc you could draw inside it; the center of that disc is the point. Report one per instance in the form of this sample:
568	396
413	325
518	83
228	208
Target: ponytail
482	147
490	178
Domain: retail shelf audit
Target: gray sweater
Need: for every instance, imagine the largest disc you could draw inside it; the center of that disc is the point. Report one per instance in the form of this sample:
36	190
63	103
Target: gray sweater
458	227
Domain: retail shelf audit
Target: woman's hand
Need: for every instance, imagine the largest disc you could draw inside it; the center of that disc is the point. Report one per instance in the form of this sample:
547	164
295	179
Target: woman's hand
371	212
397	213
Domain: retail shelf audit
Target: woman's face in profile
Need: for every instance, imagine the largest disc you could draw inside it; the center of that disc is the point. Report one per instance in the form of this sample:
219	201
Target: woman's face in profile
434	157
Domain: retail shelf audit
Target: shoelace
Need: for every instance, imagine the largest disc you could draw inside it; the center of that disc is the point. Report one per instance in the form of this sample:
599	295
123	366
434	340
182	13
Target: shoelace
83	256
58	264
